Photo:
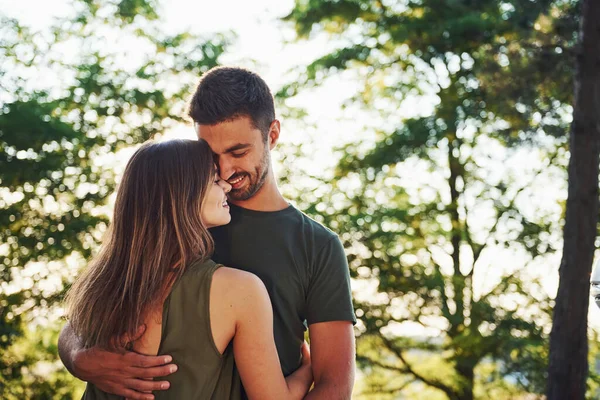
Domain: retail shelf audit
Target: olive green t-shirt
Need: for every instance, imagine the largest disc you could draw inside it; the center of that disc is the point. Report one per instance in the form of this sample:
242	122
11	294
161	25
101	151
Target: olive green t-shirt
302	264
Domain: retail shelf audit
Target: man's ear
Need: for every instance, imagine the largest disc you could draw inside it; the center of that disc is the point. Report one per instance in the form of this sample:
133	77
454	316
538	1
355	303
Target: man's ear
274	130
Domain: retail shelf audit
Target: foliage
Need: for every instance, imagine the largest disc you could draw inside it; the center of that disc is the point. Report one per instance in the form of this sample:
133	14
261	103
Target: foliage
447	213
71	99
33	370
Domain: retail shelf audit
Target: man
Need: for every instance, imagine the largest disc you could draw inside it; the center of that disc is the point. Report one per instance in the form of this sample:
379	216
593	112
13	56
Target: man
302	264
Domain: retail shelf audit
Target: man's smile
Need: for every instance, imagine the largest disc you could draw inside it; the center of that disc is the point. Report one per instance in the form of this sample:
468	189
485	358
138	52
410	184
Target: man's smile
237	182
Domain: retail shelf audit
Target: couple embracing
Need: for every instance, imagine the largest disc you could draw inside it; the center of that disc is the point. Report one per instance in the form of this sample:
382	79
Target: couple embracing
208	278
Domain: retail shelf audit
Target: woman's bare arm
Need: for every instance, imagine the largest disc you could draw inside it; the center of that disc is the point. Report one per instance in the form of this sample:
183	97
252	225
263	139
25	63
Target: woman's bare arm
254	345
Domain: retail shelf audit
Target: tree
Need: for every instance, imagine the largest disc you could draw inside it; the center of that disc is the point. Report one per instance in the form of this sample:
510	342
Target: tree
437	201
71	100
568	368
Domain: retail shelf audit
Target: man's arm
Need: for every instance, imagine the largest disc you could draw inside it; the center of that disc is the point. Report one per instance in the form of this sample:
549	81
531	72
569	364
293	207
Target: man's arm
124	374
332	350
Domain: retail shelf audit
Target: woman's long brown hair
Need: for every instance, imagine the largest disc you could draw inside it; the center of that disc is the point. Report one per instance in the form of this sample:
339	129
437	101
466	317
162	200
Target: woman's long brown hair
155	234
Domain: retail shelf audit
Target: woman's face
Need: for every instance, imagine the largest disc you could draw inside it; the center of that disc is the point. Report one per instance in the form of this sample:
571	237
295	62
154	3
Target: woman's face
215	210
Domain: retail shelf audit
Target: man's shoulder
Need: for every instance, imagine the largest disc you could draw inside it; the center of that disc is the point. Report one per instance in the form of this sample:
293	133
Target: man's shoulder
317	229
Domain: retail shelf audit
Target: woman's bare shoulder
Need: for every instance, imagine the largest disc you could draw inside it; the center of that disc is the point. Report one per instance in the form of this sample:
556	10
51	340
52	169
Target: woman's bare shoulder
237	282
237	279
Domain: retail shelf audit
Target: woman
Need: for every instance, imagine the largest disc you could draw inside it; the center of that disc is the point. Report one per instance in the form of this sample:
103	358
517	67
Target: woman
154	269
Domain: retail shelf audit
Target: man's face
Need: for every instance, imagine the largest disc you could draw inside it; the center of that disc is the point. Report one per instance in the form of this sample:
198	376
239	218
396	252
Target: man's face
241	154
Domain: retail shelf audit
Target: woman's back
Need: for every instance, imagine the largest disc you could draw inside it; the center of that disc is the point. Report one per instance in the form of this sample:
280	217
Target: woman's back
203	372
168	198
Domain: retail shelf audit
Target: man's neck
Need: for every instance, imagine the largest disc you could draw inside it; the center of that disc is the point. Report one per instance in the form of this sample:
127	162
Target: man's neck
268	198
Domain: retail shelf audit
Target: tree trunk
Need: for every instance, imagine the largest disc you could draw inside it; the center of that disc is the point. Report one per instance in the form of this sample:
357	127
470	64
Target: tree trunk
458	280
568	368
467	374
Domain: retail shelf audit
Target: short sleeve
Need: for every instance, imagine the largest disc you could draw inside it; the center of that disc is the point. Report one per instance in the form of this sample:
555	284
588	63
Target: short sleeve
329	296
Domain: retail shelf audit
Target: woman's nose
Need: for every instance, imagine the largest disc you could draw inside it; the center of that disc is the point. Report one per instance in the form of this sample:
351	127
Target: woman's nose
225	185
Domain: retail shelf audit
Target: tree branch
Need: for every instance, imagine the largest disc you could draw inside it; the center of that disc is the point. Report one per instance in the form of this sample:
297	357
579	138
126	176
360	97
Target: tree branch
481	247
378	389
410	370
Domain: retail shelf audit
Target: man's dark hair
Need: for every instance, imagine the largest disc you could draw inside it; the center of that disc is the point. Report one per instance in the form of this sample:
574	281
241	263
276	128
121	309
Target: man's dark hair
226	93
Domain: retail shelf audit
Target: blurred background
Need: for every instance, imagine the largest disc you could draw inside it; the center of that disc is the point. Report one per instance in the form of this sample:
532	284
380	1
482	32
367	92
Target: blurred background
431	135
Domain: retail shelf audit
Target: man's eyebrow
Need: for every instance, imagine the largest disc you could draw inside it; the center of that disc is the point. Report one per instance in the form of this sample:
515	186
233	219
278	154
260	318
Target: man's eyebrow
239	146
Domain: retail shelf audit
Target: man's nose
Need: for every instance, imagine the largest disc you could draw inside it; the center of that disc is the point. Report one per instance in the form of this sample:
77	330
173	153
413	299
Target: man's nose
225	168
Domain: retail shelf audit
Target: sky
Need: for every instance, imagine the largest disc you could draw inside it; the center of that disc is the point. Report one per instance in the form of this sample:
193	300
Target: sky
267	46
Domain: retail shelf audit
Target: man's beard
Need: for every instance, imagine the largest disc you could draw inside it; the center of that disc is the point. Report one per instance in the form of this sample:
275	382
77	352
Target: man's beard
256	180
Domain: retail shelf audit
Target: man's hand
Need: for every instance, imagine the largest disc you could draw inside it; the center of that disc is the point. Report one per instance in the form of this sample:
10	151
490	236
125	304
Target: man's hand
128	374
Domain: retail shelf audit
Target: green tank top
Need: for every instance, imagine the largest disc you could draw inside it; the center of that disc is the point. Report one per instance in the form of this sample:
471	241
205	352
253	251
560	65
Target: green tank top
202	372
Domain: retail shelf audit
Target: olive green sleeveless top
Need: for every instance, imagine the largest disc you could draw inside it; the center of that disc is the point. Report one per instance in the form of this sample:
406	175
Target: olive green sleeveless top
202	372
